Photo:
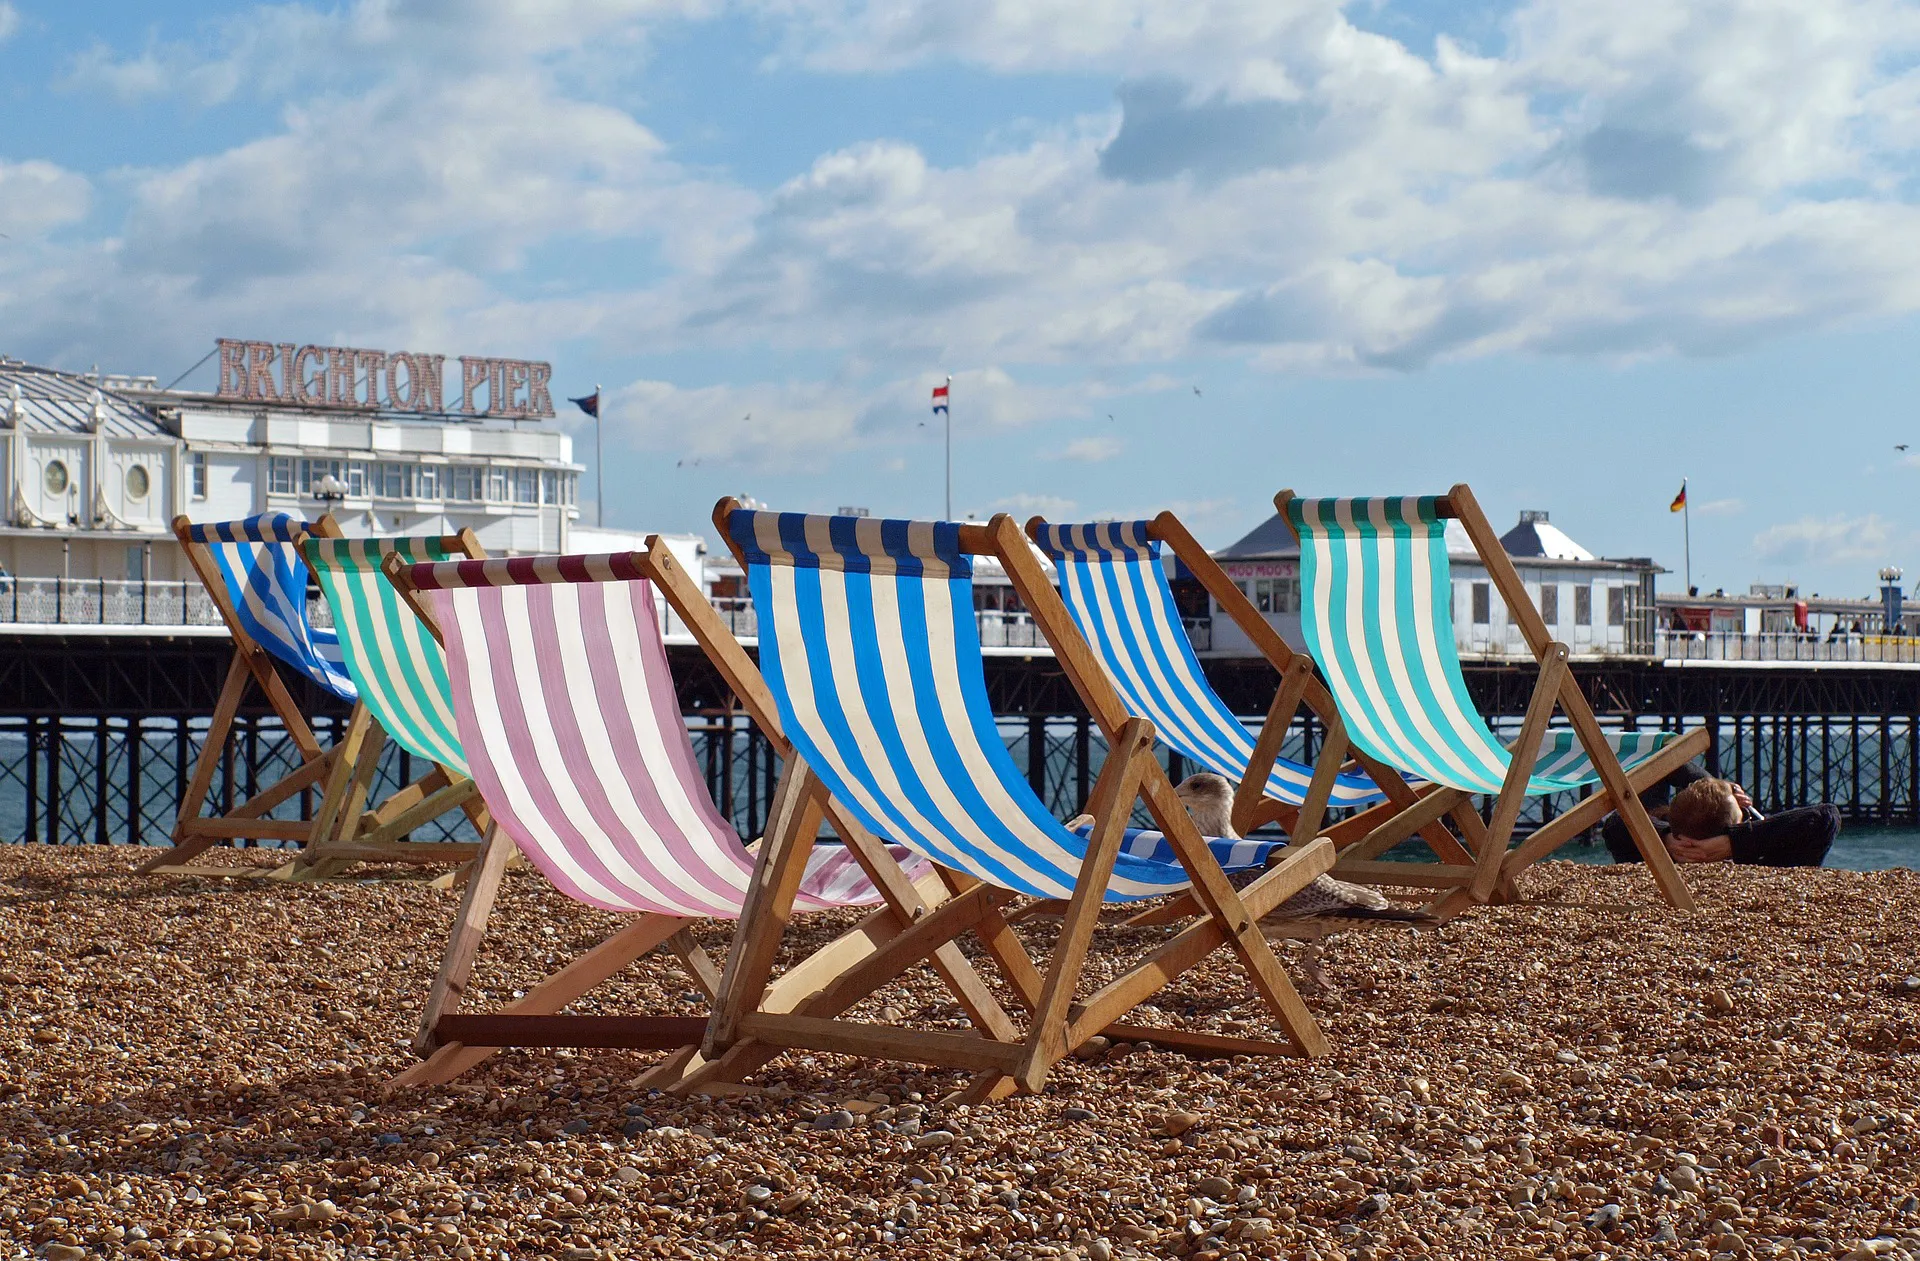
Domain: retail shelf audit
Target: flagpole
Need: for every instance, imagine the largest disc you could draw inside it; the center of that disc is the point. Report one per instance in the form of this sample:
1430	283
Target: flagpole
599	458
948	413
1686	519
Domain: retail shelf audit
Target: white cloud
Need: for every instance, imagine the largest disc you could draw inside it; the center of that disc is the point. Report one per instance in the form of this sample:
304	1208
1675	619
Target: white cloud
1052	507
1273	184
1722	508
1090	450
9	20
1825	540
36	197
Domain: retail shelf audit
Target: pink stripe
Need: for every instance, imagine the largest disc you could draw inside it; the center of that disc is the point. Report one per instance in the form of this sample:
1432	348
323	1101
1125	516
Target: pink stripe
670	858
515	689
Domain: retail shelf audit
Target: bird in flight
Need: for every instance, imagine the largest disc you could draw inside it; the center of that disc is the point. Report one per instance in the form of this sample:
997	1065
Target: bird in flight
1196	391
1109	415
1899	446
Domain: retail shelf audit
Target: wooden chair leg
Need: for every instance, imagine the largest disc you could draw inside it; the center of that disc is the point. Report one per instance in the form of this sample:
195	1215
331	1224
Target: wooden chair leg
1513	789
1224	906
793	819
1252	790
603	961
1110	806
463	944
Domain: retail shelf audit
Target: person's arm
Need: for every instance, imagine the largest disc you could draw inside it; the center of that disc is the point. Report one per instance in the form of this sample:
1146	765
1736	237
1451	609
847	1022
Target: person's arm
1792	838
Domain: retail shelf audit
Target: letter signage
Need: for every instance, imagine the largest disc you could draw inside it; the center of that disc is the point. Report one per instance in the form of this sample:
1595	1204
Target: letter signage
377	380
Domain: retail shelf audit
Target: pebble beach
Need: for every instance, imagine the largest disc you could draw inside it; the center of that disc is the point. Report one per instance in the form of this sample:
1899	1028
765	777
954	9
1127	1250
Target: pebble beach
195	1068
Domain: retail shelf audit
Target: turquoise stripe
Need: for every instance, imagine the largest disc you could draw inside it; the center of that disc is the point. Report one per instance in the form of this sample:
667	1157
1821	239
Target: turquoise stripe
1427	724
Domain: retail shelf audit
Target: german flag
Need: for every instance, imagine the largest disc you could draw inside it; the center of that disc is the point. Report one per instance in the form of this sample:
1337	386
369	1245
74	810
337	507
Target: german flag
1679	500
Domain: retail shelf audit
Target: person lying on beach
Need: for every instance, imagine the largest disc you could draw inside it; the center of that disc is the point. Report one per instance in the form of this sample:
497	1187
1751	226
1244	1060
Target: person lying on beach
1710	820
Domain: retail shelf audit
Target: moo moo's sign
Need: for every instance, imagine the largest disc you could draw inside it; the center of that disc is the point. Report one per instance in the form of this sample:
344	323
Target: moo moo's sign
379	380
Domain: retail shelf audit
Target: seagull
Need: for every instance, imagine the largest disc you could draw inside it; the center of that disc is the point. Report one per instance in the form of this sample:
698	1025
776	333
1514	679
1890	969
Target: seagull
1899	446
1196	391
1109	415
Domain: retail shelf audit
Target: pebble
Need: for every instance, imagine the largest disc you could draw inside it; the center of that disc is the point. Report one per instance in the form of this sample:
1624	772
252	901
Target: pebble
1720	1001
1174	1124
935	1139
1910	984
272	1117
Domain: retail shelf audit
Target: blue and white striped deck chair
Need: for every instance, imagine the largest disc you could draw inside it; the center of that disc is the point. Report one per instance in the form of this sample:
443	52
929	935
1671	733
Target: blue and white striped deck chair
1376	614
254	574
1112	581
869	645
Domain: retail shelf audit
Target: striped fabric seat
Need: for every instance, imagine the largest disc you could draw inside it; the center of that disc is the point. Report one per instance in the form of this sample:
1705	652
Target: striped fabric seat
1112	582
397	664
267	583
869	645
1233	855
566	710
1377	616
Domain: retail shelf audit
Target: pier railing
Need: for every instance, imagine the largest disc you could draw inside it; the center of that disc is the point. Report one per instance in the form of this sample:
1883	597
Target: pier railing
1787	647
104	602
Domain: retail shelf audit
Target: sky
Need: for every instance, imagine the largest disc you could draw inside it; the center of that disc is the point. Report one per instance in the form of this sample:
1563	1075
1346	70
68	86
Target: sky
1173	254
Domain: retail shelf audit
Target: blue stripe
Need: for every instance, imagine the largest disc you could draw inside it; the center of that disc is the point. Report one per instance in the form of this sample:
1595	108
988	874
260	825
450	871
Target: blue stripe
1121	558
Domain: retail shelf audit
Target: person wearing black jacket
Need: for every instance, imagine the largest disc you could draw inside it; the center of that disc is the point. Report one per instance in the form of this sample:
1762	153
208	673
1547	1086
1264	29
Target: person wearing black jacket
1791	838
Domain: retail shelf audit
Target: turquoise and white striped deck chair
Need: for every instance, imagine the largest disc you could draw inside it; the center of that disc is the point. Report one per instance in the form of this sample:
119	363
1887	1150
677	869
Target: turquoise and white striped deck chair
1376	614
400	672
253	572
869	645
1112	581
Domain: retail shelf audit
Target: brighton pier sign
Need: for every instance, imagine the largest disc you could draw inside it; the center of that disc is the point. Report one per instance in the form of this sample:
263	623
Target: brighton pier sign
378	380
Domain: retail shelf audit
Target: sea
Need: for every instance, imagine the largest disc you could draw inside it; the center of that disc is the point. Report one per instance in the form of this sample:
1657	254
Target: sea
1863	847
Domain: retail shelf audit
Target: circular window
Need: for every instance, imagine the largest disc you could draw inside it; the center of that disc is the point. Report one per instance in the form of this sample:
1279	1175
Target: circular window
138	482
57	478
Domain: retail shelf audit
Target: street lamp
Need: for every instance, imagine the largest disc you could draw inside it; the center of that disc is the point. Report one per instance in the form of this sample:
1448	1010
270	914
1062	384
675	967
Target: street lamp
330	490
1890	600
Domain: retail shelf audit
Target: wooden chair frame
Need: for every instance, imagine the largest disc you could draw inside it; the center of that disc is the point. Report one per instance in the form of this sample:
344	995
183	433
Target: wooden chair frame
1485	869
251	664
1058	1022
345	834
824	984
1299	686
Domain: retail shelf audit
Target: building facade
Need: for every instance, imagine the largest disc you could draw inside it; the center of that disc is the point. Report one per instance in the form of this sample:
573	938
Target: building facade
95	467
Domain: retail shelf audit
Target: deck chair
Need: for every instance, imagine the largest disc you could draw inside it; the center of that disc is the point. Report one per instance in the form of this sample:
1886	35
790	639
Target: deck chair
1112	582
869	645
400	673
253	573
566	712
1377	616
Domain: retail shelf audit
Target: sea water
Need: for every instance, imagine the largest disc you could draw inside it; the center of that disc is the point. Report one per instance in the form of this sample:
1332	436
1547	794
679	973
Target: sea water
1862	847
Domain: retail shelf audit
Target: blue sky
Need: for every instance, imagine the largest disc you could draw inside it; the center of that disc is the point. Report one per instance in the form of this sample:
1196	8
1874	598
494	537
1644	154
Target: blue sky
1174	254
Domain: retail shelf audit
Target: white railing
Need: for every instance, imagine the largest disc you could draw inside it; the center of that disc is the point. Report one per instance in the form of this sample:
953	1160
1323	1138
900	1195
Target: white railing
104	602
1677	645
1000	629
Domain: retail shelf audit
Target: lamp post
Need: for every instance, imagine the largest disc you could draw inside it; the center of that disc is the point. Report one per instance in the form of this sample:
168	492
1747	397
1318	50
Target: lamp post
329	490
1890	600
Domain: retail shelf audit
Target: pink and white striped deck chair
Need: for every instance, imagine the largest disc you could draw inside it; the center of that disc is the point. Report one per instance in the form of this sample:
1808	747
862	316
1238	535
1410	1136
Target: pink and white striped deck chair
567	713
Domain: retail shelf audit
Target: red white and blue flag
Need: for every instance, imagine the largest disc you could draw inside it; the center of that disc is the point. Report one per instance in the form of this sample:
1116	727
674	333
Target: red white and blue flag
940	399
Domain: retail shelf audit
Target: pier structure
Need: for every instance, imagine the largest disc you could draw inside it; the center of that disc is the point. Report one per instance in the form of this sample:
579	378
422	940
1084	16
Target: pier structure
100	726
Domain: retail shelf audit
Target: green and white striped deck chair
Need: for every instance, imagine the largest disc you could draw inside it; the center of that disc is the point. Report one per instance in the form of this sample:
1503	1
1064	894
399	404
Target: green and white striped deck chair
1376	614
401	673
